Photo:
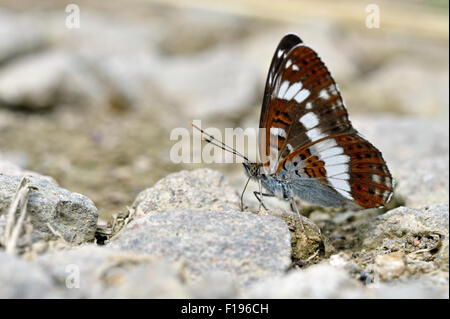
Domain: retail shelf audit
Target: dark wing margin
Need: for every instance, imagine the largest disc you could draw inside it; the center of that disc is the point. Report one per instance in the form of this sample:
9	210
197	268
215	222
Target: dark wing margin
286	44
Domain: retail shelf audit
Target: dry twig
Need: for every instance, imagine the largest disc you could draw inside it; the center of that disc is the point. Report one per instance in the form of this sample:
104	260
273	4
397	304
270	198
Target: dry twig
14	227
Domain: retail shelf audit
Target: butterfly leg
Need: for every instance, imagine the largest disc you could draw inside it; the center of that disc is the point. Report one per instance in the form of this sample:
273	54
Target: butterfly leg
259	195
295	208
241	205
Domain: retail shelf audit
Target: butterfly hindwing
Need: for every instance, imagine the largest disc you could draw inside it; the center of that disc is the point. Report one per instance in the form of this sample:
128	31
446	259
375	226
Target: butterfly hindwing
349	164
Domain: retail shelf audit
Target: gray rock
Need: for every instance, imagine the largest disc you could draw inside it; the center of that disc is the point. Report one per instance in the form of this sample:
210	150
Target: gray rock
91	271
21	159
202	189
325	281
414	288
404	229
242	244
19	35
72	215
22	279
390	266
207	29
212	285
307	241
214	82
404	138
45	80
318	281
8	168
397	79
162	280
423	181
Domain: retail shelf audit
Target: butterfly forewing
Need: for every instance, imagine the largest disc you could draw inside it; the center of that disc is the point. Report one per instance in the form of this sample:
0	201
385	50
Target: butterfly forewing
307	125
286	44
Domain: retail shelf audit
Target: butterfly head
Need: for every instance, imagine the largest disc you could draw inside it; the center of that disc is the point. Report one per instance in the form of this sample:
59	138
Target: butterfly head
252	169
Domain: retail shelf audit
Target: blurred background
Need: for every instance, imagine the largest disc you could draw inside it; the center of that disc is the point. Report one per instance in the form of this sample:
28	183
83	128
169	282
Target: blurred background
94	106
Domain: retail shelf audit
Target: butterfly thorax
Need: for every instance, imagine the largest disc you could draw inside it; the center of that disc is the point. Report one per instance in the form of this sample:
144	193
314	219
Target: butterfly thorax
274	184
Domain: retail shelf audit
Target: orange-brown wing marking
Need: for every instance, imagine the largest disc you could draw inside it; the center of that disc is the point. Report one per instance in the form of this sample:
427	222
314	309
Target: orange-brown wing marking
280	117
358	170
370	179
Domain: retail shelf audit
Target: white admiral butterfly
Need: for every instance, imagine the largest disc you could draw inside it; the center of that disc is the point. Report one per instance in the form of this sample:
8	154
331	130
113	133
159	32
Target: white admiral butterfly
310	149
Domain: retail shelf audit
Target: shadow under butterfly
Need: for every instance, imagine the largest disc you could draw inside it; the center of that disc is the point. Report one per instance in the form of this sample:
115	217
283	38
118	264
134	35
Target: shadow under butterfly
307	146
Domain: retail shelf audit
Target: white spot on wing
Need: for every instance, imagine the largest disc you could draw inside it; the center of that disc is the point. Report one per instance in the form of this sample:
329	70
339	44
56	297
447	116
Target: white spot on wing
323	145
293	89
302	95
340	159
336	169
345	194
331	152
279	53
278	131
342	176
332	89
295	67
315	134
376	178
341	186
288	64
389	197
324	94
333	156
309	106
309	120
273	155
283	88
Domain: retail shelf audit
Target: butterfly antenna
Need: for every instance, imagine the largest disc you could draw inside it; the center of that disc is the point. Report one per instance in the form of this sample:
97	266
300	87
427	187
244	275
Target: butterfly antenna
214	141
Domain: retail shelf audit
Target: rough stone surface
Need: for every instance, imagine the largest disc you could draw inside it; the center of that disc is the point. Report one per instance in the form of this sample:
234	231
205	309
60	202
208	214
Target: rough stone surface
43	81
414	288
105	273
19	34
307	240
325	281
404	229
429	82
320	281
423	182
203	189
390	266
72	215
90	271
243	244
235	83
22	279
